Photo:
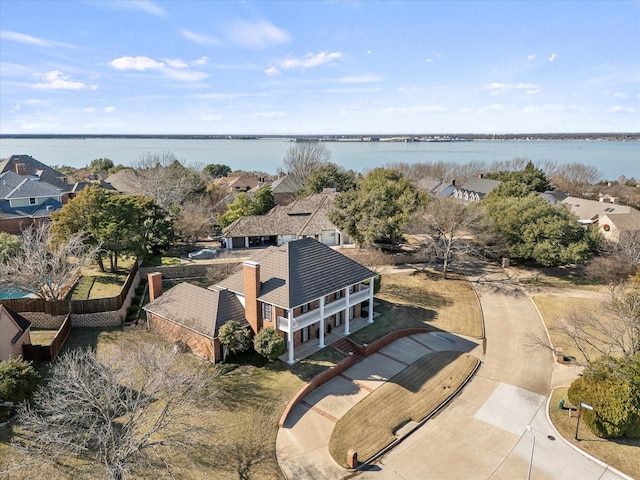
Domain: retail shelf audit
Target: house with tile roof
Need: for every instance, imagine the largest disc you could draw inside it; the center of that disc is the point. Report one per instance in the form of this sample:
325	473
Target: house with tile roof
26	200
303	289
305	217
193	315
15	331
475	189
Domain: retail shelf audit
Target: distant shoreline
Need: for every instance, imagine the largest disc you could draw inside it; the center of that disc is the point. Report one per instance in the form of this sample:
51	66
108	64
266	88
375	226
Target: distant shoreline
622	136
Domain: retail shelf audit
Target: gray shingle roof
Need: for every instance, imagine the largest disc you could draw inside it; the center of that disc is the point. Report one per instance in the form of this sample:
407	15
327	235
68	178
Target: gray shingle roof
589	209
300	271
306	216
482	186
199	309
37	168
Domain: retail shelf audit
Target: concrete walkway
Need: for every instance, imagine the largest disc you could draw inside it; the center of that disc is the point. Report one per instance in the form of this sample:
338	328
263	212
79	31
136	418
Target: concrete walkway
302	446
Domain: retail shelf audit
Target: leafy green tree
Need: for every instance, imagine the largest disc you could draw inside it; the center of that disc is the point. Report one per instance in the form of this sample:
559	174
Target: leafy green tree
531	176
118	224
217	170
534	230
18	380
100	165
378	210
9	246
612	387
268	343
234	337
263	200
240	207
330	175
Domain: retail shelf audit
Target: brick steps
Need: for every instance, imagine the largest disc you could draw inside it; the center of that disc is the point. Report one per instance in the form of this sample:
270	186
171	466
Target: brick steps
346	347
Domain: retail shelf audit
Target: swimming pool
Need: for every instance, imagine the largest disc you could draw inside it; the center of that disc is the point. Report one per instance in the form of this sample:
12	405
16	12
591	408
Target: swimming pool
8	293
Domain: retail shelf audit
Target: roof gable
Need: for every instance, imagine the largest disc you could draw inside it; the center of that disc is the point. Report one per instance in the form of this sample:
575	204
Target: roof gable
31	166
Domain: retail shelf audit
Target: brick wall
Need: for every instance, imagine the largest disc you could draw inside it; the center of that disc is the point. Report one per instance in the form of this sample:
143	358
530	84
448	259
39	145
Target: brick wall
199	344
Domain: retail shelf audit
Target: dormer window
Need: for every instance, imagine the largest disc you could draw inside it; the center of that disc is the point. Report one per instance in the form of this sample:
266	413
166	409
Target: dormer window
338	294
32	201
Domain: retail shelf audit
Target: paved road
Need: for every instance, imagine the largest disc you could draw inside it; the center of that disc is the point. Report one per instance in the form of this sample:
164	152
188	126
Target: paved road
481	435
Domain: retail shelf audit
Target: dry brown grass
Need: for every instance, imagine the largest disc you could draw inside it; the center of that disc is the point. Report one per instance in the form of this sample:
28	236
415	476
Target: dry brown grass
409	396
622	454
554	307
449	305
42	337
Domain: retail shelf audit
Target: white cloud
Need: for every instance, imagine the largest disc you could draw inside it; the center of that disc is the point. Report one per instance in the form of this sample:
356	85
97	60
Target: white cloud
621	96
310	60
136	63
256	35
146	6
550	108
109	109
271	71
201	39
186	75
621	109
56	80
201	61
369	52
89	109
361	79
531	57
23	38
270	114
497	89
176	63
417	109
553	57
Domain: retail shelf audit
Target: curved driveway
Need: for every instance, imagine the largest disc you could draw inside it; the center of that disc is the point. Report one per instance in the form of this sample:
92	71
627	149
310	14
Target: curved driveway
483	433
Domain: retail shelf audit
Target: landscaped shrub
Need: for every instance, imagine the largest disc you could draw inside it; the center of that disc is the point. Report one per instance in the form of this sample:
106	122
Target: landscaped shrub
269	343
18	380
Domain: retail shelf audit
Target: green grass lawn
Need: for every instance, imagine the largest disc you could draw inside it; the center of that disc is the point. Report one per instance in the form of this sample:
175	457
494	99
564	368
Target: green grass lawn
97	284
409	396
622	454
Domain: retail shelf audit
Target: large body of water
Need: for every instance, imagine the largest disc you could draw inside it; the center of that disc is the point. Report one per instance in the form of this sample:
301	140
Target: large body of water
611	158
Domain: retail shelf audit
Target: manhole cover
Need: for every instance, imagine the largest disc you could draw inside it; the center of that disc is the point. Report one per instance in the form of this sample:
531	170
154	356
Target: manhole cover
551	437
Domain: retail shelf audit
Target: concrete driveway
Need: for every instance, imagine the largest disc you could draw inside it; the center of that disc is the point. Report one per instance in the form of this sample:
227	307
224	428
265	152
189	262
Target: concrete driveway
483	433
487	432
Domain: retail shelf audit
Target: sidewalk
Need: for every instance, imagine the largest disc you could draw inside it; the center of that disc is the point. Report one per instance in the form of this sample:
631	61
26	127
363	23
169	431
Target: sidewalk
302	445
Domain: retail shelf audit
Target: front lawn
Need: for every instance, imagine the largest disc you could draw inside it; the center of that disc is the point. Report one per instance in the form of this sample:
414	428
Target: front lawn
621	453
411	395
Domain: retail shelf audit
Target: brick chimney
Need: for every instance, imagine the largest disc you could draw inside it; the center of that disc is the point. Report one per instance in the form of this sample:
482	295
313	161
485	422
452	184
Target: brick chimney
155	285
251	271
481	175
21	168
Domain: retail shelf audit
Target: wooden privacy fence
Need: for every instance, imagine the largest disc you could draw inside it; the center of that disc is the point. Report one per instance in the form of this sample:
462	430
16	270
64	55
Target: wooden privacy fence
109	304
47	353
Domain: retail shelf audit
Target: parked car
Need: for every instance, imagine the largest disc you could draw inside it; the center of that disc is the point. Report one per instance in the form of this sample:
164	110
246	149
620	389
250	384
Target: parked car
203	254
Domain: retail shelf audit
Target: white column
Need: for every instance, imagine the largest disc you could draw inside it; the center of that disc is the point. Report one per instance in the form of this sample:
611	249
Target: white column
371	282
321	344
291	360
246	242
346	312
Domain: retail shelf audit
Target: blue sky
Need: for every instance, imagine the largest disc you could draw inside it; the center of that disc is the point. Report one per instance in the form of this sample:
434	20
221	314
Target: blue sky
335	67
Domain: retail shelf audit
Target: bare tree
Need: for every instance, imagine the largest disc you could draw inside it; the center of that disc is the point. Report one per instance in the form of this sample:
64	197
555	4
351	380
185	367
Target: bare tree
163	178
304	158
194	221
451	230
573	177
121	415
42	267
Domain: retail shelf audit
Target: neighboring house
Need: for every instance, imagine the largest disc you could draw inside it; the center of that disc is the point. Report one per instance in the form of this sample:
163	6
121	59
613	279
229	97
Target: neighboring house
26	200
303	289
237	184
125	181
15	330
475	189
192	315
26	165
436	188
305	217
79	186
553	197
614	220
285	190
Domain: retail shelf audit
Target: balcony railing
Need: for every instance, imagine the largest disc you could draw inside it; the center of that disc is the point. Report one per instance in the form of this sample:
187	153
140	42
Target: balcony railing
313	316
